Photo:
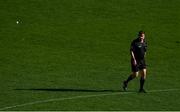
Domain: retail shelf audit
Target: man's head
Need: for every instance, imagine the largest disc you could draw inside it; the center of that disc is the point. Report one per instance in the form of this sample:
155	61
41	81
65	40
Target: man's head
141	35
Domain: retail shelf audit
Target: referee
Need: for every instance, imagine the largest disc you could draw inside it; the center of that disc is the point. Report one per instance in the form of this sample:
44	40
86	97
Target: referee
138	51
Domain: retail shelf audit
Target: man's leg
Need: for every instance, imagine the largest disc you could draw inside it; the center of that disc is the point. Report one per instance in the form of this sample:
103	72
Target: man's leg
131	77
142	80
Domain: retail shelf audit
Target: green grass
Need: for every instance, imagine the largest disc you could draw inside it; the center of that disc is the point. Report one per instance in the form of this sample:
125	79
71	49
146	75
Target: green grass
84	45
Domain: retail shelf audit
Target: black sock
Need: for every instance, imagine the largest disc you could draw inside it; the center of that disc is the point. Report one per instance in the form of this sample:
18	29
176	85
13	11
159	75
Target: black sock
129	78
142	80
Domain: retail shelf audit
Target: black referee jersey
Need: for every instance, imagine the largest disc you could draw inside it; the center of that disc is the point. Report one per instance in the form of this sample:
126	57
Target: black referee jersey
138	49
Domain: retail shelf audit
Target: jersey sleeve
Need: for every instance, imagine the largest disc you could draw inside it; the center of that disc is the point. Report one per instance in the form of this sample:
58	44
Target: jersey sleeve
145	46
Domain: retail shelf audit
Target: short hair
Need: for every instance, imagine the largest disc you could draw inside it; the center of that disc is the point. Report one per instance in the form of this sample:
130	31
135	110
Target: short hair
141	32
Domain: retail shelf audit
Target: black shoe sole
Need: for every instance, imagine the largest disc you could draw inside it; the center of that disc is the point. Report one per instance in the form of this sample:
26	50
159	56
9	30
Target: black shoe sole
142	91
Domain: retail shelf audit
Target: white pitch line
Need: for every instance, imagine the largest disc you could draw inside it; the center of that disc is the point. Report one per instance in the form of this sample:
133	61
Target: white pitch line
78	97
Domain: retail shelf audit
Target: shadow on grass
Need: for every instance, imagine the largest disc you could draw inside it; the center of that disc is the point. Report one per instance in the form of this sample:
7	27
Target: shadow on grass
70	90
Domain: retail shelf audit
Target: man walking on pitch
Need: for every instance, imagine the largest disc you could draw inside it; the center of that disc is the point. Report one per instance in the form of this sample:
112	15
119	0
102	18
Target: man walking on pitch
138	65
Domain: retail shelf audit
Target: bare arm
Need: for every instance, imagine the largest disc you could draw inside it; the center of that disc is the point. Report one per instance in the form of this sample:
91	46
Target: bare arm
134	59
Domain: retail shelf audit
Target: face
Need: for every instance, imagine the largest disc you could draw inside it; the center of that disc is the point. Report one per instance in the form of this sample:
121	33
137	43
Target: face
142	36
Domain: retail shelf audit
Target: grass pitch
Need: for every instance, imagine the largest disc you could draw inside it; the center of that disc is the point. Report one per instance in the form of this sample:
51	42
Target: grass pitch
71	48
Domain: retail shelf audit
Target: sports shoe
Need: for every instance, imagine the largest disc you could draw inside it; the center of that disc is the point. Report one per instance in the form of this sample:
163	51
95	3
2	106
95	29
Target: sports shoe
142	91
125	86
